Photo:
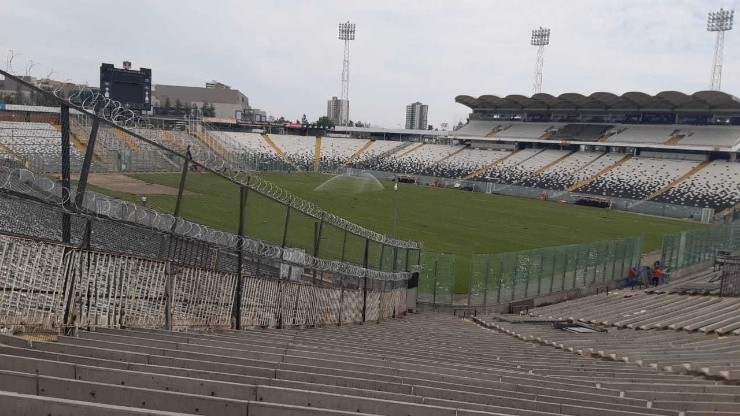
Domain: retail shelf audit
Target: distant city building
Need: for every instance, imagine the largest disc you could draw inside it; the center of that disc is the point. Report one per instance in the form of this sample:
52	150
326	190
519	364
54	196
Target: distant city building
416	116
218	85
225	100
337	110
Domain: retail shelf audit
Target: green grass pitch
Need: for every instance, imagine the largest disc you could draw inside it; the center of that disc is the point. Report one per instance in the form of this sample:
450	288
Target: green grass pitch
445	220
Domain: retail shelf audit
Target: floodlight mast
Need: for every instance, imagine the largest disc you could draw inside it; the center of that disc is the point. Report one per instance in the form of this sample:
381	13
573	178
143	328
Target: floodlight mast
540	39
719	22
346	33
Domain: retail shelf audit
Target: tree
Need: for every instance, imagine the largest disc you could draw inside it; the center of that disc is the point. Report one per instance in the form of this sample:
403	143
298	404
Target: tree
430	127
359	124
304	120
178	107
325	122
281	119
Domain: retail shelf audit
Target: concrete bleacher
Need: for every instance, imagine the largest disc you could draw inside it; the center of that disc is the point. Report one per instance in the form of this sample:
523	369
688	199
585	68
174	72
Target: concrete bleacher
37	143
521	165
527	130
336	151
299	149
580	132
428	364
639	177
647	134
710	136
717	185
465	162
571	170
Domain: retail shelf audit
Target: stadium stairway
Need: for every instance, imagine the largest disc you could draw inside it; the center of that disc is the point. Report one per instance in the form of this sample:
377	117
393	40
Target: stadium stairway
426	364
404	151
359	152
172	140
608	169
73	139
683	178
551	164
210	142
123	137
278	151
488	167
317	155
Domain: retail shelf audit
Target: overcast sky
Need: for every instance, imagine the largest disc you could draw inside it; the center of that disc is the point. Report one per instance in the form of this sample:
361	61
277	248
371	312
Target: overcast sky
285	55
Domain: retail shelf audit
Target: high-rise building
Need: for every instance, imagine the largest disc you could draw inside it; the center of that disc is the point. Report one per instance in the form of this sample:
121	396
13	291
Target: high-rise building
337	110
416	116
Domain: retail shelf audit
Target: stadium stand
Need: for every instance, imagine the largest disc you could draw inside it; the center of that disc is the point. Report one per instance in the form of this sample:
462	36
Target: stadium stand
252	147
428	364
298	149
639	177
569	171
378	152
711	136
643	134
336	152
37	143
463	163
527	131
581	132
521	165
717	185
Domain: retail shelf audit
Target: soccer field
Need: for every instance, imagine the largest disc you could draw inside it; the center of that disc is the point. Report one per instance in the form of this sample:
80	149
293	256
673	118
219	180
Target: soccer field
445	220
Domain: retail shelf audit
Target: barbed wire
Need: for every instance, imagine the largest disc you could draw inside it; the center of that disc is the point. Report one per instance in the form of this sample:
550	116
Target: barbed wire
97	104
26	182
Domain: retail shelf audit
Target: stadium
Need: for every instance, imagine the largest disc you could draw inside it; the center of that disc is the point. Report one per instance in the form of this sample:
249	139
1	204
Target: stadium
571	254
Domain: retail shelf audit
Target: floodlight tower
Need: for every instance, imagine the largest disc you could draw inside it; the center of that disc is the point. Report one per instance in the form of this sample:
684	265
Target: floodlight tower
719	22
346	33
540	39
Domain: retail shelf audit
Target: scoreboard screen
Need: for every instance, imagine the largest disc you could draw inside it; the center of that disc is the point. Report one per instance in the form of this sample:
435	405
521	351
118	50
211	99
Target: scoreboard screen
133	89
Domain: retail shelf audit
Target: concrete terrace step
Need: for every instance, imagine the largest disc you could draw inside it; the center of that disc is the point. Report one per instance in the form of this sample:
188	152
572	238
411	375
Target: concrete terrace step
427	364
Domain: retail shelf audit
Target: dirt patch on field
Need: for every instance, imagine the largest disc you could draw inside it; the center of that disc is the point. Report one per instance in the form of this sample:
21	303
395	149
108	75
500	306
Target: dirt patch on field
129	185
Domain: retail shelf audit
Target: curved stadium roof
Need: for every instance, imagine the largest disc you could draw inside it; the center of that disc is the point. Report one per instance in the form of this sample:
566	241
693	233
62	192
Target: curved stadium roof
666	100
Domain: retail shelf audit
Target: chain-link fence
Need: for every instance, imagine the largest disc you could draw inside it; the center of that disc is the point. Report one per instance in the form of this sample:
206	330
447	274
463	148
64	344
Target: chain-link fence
688	248
505	277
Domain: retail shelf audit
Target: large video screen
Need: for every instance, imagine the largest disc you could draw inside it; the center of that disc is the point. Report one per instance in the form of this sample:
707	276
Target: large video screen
130	87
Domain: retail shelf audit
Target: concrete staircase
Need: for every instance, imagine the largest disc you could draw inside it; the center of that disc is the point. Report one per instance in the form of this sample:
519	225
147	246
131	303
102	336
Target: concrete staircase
359	152
278	151
428	364
486	168
317	155
608	169
683	178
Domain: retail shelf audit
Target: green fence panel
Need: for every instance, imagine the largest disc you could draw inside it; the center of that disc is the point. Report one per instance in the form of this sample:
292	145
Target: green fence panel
688	248
477	280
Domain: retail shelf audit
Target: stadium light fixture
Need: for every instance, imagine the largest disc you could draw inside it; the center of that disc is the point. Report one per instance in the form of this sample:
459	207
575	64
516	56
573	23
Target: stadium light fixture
540	39
719	22
347	34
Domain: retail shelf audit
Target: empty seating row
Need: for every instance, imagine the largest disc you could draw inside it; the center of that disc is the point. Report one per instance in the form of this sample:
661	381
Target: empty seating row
717	185
429	364
569	171
639	177
581	132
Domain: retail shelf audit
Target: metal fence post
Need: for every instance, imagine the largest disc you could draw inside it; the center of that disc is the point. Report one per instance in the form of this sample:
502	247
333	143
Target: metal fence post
344	245
168	289
181	188
285	228
243	194
364	290
86	163
66	194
